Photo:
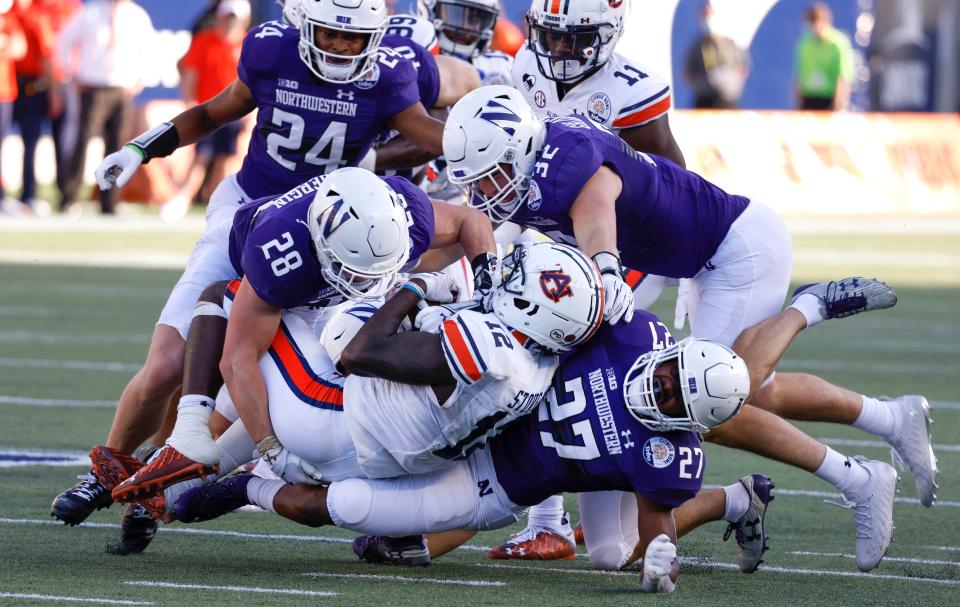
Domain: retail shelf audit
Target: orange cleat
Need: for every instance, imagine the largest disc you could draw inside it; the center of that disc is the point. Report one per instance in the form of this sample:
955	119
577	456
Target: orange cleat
536	544
112	467
578	535
167	467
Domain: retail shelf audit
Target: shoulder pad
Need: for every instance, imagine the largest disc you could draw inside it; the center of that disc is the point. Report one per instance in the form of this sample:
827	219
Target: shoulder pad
263	46
415	28
637	94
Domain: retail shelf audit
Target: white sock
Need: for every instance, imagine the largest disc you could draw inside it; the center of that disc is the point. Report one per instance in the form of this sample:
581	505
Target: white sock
876	417
261	492
236	448
548	513
191	434
738	502
841	471
809	306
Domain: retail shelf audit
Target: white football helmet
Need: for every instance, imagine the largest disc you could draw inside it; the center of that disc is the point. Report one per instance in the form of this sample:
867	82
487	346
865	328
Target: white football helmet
363	17
712	379
490	127
359	229
343	326
572	38
291	11
551	293
464	27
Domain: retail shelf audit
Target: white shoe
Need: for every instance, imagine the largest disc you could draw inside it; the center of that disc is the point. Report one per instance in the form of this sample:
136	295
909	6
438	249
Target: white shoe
850	296
913	444
872	505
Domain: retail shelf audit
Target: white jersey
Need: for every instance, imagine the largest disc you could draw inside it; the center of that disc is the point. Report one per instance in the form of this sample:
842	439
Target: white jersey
402	429
415	28
493	67
622	94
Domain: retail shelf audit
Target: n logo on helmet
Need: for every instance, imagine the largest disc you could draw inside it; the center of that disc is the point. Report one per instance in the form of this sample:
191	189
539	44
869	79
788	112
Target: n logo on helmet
556	284
331	223
500	115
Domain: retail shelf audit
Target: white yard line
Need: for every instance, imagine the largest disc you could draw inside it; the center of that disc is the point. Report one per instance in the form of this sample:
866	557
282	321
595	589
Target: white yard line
80	365
879	444
11	458
69	599
886	559
943	548
58	338
402	578
836	496
248	589
55	402
875	368
945	404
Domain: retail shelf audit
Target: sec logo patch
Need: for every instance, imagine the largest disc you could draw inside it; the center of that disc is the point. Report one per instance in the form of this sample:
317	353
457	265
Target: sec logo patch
658	452
598	107
540	99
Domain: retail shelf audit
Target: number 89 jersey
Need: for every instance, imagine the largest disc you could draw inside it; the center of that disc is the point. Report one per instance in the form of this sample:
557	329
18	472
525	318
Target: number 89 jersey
306	126
584	438
620	95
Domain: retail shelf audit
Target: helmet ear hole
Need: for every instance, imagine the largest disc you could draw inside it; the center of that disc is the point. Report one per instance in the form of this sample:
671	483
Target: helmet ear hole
521	304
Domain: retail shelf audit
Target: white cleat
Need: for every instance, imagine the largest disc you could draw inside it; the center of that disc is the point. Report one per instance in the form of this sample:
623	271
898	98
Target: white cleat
848	297
872	505
912	444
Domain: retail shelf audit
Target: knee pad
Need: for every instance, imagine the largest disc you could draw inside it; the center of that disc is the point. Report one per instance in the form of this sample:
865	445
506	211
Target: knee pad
350	502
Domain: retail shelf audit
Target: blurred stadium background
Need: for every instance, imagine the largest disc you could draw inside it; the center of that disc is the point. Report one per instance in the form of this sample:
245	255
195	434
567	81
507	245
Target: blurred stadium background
872	191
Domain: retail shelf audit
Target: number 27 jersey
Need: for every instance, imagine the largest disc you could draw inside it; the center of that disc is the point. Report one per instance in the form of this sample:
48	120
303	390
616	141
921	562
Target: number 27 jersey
584	438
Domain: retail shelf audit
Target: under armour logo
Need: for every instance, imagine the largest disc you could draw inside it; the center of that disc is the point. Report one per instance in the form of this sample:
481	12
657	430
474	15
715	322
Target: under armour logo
342	94
627	444
555	284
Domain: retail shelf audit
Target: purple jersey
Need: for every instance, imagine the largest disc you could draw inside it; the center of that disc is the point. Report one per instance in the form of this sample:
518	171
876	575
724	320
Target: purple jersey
670	221
308	127
270	244
428	73
584	438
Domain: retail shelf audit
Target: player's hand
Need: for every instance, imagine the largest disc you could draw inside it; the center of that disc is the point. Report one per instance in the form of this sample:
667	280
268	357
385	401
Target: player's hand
430	318
486	279
617	295
292	468
438	287
658	562
117	168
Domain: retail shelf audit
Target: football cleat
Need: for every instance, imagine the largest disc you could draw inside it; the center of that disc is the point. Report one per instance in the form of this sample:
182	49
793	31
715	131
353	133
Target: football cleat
842	298
872	505
167	467
537	543
113	467
74	505
214	500
137	530
750	531
578	535
410	550
912	444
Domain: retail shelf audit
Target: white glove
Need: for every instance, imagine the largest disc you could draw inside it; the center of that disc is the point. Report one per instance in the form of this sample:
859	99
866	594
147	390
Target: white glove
683	300
293	469
117	168
440	288
429	319
658	561
486	279
617	294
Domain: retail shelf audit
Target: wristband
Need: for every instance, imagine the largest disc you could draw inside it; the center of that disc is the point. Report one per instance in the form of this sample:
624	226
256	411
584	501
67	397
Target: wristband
267	444
608	263
410	286
162	140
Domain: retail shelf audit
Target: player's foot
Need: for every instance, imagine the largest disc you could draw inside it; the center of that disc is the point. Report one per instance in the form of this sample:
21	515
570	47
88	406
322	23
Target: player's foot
167	467
578	535
214	500
539	544
74	505
842	298
872	505
113	467
136	530
410	551
750	532
913	444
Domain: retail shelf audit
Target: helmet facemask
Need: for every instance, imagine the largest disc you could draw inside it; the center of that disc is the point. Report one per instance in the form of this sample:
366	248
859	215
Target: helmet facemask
509	196
568	54
333	67
464	28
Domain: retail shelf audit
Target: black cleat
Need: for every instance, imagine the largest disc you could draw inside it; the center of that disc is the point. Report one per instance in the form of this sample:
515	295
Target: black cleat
74	505
136	531
410	550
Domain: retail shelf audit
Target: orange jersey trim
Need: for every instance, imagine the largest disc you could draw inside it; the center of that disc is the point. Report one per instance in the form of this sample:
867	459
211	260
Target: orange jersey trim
646	114
302	378
460	349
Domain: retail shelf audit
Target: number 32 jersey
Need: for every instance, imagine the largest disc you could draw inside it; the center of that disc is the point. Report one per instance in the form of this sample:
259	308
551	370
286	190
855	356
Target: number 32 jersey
619	95
584	438
270	244
305	126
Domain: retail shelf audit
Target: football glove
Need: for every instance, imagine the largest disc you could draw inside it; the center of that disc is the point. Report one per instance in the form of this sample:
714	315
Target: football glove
486	279
658	561
287	465
117	168
617	294
440	288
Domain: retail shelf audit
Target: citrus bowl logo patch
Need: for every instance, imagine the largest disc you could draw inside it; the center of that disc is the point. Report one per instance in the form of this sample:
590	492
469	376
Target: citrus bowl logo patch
658	452
534	198
555	284
598	107
371	79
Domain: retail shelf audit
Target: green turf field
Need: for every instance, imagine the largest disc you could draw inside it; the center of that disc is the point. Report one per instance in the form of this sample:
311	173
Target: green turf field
70	337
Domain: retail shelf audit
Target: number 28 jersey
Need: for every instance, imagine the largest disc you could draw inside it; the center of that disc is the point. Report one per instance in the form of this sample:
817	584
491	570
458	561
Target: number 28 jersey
584	438
306	126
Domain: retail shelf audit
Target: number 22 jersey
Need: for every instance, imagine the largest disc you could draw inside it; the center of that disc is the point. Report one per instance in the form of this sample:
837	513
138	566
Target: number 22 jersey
584	438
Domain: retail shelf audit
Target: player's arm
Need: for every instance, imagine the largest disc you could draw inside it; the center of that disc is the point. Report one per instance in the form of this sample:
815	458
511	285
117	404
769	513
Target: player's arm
458	230
411	357
250	331
420	128
400	153
232	103
658	544
655	137
457	78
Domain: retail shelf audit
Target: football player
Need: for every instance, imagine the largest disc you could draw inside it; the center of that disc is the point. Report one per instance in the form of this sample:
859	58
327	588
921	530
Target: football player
622	414
322	92
580	184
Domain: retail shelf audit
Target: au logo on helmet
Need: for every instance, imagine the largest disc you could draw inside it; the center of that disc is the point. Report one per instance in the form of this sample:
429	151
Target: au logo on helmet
556	284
